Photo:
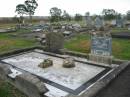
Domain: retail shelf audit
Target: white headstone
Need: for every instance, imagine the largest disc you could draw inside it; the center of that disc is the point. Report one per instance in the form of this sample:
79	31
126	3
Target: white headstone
98	23
89	21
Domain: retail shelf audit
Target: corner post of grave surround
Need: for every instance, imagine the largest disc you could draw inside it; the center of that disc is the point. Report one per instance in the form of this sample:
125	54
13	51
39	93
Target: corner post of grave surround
25	82
4	71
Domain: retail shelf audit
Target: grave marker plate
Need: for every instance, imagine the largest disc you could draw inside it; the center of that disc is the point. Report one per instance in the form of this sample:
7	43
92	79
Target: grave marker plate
101	46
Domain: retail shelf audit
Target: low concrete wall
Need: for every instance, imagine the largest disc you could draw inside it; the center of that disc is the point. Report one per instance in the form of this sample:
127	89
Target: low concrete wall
27	83
101	59
101	83
62	51
33	87
83	55
4	71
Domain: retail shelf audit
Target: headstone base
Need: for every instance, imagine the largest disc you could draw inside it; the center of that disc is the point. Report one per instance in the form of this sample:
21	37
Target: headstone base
101	59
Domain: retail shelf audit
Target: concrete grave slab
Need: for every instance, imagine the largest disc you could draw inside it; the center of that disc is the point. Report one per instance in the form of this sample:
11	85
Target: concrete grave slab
60	81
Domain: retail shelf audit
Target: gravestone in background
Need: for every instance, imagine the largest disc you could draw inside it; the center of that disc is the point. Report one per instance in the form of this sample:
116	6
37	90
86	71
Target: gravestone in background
89	22
101	48
128	27
54	41
121	22
98	23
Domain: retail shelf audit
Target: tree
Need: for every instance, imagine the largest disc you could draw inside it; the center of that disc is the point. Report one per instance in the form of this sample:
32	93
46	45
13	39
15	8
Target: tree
87	14
128	15
78	17
31	6
21	10
55	14
66	16
118	16
15	19
109	14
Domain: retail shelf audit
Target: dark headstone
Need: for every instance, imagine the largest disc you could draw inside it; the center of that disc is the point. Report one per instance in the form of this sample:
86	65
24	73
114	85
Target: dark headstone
54	41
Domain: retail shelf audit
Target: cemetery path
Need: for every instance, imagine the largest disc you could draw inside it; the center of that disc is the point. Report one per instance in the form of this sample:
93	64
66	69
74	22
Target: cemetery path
119	87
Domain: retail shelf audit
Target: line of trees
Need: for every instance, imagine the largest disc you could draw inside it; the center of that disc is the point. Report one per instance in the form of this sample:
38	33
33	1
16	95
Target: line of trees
28	8
107	14
58	15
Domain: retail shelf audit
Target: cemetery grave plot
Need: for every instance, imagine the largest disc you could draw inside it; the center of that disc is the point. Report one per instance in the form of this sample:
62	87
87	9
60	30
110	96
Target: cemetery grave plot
60	81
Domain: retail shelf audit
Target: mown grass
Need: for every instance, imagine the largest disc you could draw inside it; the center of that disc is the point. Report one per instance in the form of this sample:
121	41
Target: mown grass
7	90
8	43
81	43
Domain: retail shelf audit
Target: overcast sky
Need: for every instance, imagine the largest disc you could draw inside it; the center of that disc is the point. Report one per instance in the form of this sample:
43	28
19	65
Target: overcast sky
7	7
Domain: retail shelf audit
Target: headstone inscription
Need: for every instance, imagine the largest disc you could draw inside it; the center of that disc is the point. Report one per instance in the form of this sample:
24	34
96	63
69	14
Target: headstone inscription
101	48
101	45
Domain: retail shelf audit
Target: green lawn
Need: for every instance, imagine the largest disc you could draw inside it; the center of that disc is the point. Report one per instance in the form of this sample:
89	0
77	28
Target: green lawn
81	43
8	43
7	90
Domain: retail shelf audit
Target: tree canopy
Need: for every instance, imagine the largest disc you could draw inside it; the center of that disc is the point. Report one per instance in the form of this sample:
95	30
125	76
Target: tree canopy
128	14
55	14
66	16
78	17
109	14
21	9
31	6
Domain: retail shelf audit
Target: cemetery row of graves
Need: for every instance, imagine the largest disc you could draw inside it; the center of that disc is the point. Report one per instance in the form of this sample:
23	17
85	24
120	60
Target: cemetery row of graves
79	42
62	55
77	39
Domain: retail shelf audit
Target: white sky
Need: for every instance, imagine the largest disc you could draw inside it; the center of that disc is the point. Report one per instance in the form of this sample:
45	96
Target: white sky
7	7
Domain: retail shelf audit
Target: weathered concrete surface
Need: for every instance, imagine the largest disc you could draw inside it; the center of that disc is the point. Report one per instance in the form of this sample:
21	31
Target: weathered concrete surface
30	85
4	71
119	87
101	83
27	83
71	78
101	59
